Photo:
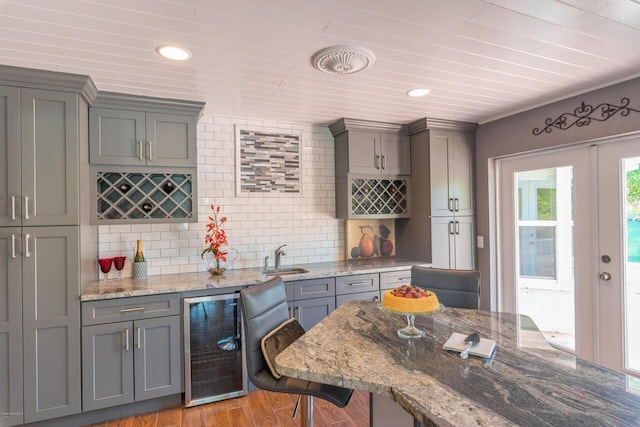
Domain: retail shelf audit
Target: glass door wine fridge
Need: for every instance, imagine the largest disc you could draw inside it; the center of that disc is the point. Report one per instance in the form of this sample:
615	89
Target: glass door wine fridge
215	361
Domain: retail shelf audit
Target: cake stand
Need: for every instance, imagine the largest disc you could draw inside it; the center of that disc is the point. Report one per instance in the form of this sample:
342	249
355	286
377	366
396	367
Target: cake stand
410	331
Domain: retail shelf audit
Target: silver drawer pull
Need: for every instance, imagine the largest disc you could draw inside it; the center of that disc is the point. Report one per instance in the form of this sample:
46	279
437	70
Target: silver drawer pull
126	339
149	152
402	279
129	310
139	336
13	246
13	208
358	284
140	148
27	253
26	207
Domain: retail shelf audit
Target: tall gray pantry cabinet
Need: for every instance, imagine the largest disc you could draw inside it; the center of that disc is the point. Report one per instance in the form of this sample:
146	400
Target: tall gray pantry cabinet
45	238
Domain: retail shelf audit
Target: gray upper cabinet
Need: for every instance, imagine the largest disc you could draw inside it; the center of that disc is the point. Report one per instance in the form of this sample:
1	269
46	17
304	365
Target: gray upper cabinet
121	137
451	169
130	130
10	328
372	148
40	154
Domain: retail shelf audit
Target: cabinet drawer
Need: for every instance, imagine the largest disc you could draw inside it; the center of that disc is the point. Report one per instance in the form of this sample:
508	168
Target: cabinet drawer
393	279
361	296
357	283
122	309
314	288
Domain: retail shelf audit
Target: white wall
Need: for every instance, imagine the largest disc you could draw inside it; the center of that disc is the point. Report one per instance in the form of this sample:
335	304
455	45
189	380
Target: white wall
257	224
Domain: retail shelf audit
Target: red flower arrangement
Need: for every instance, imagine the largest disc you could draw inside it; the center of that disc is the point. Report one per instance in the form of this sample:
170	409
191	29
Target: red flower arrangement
216	237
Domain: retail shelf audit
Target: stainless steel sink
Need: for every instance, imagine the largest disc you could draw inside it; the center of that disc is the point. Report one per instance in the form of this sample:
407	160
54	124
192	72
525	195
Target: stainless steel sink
284	271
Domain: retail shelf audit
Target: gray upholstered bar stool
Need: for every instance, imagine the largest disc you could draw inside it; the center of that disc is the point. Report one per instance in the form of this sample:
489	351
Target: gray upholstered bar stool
454	288
264	307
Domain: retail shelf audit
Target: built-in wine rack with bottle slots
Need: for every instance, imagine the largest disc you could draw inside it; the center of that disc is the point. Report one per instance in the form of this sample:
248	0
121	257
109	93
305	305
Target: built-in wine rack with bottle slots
144	196
379	196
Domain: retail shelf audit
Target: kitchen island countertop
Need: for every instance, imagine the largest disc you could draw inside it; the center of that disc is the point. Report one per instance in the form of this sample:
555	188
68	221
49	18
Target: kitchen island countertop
185	282
526	382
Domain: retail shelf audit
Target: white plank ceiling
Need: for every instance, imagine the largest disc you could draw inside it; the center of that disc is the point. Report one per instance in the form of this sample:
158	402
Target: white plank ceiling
482	59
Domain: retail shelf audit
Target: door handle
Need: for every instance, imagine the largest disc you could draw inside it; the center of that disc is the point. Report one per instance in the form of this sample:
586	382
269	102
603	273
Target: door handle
26	207
450	205
139	337
290	312
451	230
126	339
457	223
457	204
140	148
384	162
605	276
27	254
149	152
13	208
377	161
13	246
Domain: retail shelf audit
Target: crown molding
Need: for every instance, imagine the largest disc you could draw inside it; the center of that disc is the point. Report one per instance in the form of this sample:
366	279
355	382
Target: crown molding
345	124
147	103
425	123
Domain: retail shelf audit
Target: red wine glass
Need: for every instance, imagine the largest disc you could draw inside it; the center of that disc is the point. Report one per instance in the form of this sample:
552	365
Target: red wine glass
118	262
105	265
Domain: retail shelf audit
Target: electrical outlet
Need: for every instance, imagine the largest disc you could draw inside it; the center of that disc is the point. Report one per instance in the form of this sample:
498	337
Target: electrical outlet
480	242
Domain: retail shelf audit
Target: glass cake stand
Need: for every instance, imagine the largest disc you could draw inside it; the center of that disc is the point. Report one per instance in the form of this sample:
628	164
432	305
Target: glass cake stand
410	331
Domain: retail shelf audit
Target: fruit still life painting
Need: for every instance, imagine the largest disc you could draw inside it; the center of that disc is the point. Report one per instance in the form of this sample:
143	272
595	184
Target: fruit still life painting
368	239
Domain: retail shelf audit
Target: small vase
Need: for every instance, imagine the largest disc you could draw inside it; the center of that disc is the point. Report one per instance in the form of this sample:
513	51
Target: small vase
216	267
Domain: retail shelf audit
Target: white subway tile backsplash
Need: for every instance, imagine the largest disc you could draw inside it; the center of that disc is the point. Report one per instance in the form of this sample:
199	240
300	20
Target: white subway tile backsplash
257	223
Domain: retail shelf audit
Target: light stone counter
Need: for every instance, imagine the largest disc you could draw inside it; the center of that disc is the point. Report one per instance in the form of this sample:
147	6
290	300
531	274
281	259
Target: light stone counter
152	285
528	384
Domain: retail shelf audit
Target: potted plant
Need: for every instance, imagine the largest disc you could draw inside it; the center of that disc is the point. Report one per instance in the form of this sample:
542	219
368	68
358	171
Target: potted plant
216	239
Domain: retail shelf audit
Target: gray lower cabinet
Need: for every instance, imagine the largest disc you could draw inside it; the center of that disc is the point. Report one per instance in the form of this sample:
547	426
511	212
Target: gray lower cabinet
394	279
360	287
139	138
134	360
51	320
11	409
313	300
453	242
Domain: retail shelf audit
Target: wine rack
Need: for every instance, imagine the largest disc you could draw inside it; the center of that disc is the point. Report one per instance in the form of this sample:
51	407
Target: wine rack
144	196
380	197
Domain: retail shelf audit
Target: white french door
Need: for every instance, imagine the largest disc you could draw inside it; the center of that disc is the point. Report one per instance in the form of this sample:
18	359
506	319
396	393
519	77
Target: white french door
569	248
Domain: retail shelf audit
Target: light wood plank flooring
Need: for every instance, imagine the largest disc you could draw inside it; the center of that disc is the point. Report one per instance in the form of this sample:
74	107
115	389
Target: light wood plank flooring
259	409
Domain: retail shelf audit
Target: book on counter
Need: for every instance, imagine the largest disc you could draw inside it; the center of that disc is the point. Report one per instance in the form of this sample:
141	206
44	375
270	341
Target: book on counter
483	349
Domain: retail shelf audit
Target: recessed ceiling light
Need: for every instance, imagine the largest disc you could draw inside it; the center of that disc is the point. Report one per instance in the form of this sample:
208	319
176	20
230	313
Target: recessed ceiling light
418	92
173	52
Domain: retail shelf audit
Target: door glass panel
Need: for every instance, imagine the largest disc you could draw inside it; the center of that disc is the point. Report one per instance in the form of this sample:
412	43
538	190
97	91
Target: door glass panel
546	284
631	266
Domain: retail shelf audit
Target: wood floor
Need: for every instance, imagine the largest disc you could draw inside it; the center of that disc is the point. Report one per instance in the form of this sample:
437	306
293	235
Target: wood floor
259	409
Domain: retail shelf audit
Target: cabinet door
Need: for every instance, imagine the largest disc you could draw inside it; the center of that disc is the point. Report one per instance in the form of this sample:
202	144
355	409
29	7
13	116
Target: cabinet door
107	365
442	229
461	173
10	328
10	190
441	200
117	137
51	322
50	158
157	357
311	311
171	140
464	241
364	152
396	154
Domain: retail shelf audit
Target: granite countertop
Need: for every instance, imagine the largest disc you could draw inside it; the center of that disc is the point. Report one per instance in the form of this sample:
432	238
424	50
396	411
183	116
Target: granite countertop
526	382
152	285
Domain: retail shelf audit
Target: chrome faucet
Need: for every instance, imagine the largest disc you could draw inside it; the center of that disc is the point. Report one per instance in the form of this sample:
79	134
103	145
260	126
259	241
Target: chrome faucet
278	253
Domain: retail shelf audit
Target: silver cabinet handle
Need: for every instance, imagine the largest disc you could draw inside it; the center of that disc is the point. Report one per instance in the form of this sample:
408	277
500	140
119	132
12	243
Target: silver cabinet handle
457	227
13	208
384	162
451	230
129	310
139	337
377	160
402	279
457	204
149	153
27	254
450	205
140	148
126	339
26	207
358	284
375	299
290	312
13	246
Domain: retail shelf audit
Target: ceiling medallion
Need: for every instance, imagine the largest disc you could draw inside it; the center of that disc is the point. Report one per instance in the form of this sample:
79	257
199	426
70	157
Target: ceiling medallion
343	59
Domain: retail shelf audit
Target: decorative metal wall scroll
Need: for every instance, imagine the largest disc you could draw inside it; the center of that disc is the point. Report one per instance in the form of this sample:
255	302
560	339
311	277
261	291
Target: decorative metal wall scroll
585	114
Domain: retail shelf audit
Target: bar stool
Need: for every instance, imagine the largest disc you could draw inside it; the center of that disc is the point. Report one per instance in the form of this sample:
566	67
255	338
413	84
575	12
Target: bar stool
455	288
264	307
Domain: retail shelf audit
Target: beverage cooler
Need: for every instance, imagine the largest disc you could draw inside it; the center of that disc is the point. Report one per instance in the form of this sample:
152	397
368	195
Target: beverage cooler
215	360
